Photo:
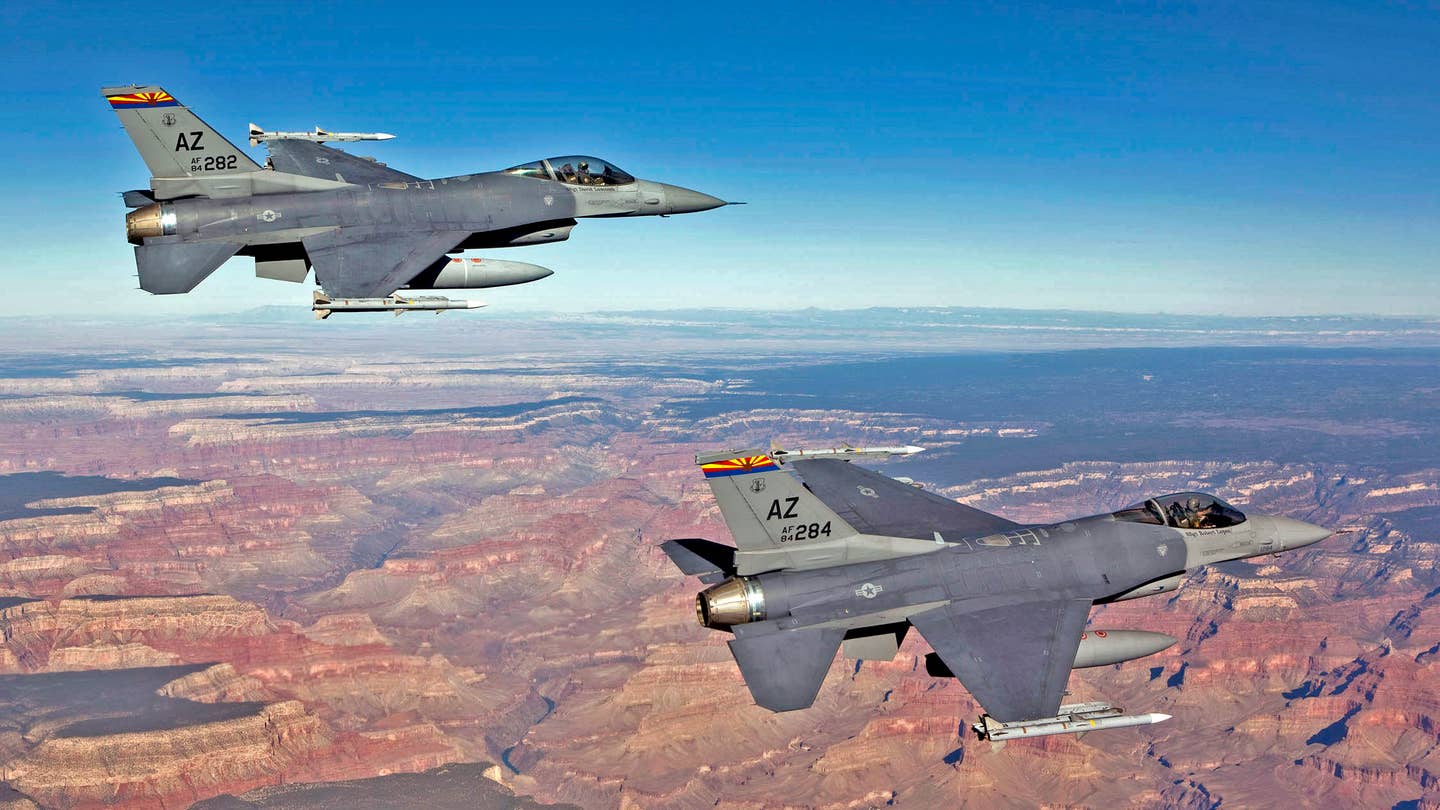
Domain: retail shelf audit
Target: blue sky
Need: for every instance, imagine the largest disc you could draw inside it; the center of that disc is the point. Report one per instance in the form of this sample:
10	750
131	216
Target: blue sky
1246	158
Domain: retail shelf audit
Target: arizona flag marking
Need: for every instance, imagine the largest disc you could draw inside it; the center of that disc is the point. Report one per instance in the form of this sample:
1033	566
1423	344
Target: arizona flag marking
141	100
739	466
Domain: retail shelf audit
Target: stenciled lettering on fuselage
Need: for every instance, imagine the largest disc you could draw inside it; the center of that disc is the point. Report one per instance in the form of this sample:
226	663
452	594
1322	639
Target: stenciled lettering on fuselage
1238	542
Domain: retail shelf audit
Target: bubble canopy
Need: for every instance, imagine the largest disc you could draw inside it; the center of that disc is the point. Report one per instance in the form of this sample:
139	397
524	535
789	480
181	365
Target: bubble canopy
1183	510
575	170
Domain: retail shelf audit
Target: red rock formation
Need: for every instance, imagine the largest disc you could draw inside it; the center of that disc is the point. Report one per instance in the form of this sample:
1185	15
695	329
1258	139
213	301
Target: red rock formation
374	594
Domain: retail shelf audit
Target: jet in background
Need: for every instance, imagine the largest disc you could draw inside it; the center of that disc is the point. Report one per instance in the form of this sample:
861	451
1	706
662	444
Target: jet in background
829	555
367	229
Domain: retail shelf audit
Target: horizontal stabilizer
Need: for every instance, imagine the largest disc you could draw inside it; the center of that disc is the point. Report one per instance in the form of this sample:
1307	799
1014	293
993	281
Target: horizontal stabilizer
784	668
167	269
709	561
138	198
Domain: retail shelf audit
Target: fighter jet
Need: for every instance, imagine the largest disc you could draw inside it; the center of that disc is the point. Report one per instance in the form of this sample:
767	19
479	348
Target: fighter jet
367	229
828	555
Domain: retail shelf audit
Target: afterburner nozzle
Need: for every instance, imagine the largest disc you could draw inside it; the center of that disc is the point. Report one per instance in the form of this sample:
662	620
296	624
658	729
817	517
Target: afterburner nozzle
155	219
735	601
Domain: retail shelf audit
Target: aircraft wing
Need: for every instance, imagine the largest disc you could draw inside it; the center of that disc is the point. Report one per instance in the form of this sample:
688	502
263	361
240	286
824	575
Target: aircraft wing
878	504
363	263
1014	657
317	160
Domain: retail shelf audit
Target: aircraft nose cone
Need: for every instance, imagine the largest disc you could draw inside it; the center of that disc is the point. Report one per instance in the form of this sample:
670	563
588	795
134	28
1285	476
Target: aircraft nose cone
685	201
1290	533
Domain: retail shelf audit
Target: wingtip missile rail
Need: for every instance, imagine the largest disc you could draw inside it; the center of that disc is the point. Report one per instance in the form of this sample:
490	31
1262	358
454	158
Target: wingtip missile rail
324	306
258	136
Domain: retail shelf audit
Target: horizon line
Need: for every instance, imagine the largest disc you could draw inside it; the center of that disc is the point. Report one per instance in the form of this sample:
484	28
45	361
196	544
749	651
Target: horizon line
273	309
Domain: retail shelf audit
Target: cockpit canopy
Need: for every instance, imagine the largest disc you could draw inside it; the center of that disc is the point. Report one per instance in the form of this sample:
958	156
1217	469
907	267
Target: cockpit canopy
575	170
1184	510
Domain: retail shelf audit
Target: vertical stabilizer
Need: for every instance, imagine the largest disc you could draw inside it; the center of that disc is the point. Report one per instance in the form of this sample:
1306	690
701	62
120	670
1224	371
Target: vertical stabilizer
173	141
766	507
776	522
780	524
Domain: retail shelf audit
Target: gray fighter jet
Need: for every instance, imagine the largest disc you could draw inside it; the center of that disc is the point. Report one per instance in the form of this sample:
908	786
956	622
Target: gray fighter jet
367	229
829	555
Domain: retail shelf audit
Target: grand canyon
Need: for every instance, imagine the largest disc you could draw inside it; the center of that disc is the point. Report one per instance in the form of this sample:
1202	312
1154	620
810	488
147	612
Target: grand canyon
252	562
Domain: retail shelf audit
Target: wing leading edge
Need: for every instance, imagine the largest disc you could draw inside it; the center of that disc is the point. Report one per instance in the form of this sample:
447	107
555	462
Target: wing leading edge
1014	657
878	504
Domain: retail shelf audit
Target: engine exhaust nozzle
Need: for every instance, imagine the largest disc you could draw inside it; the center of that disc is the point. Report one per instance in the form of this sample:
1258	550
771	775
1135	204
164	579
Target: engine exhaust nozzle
735	601
155	219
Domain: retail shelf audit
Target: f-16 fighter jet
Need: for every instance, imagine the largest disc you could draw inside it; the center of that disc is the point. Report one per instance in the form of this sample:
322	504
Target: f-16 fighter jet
829	555
367	229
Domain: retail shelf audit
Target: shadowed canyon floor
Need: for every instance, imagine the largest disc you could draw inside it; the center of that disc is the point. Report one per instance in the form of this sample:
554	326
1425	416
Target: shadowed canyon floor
258	569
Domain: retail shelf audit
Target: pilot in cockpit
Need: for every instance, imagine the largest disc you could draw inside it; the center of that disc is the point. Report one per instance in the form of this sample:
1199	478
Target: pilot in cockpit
1178	516
1200	512
582	174
1188	514
1204	515
1197	513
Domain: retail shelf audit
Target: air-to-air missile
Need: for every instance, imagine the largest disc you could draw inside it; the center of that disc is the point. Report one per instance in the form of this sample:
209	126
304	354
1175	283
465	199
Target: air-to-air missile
368	230
324	306
1075	718
259	136
845	452
830	557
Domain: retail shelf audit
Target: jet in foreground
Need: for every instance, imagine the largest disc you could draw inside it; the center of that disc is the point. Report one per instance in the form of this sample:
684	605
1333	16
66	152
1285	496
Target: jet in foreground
829	555
367	229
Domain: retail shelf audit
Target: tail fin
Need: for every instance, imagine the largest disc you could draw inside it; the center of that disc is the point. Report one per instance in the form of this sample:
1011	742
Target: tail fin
776	521
173	140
